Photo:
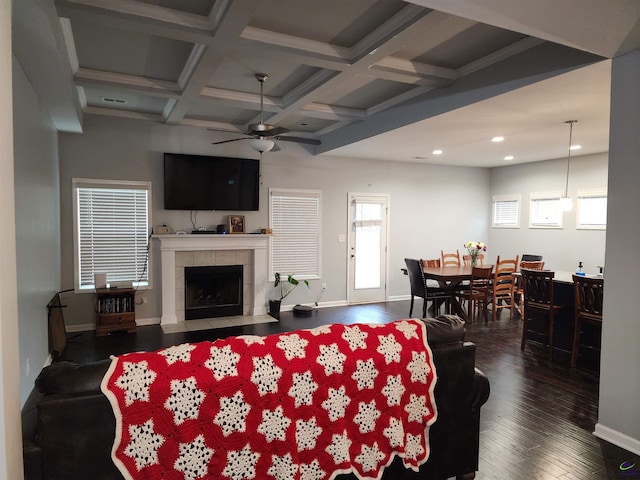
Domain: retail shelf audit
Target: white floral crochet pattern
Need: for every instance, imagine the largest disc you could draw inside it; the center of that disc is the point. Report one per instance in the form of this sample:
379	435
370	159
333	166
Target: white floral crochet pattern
135	381
390	348
194	458
274	424
370	457
185	399
419	367
266	374
339	448
293	346
394	432
282	468
393	390
232	416
144	445
365	374
307	433
336	403
356	338
241	464
178	353
409	330
223	362
303	388
331	359
367	416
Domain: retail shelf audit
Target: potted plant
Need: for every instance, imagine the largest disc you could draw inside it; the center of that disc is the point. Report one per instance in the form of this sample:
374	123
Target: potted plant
282	288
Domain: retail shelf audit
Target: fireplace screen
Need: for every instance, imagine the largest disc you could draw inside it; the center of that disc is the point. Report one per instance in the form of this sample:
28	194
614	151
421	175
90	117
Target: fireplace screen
212	291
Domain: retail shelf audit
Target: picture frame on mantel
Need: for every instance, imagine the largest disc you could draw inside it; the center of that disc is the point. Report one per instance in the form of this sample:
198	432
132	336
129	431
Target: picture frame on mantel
236	224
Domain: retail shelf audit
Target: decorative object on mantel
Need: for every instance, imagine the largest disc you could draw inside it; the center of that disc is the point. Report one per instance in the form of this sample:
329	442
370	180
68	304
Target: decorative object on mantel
236	224
286	286
474	249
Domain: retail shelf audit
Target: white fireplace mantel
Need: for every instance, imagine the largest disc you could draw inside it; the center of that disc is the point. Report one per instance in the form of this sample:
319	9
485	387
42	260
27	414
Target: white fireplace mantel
170	244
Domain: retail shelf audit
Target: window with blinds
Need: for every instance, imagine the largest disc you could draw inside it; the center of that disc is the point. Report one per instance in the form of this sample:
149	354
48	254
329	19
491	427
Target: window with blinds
545	210
592	209
111	231
295	218
506	211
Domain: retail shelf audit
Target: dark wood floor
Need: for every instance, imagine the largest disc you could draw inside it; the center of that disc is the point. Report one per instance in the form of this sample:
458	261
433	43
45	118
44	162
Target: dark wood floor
537	424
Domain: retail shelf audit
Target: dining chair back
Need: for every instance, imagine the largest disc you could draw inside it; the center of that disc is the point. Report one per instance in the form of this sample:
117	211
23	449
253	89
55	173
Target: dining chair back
589	293
420	289
467	259
479	290
450	259
528	265
539	305
431	263
502	294
527	257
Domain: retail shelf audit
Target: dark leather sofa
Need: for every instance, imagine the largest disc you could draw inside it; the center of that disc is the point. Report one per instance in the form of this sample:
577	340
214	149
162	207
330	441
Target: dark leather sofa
69	432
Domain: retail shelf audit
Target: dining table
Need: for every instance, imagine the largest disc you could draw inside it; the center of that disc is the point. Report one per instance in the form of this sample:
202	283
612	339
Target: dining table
450	278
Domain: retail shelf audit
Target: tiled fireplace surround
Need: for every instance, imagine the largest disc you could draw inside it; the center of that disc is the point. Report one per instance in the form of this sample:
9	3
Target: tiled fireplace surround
180	251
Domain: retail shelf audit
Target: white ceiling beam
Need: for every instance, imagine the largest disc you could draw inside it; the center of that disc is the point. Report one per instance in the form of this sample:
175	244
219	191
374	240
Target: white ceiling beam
499	55
417	69
161	88
332	112
240	99
114	112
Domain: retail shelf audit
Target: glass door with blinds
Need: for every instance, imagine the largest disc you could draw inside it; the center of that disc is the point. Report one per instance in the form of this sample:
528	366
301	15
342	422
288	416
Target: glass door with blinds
367	269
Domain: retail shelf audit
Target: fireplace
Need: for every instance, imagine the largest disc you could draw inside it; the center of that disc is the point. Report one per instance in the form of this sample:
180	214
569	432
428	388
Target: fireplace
213	291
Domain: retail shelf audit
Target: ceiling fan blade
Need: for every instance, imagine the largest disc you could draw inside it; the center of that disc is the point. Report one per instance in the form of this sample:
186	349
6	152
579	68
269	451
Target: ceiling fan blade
278	131
232	140
308	141
228	130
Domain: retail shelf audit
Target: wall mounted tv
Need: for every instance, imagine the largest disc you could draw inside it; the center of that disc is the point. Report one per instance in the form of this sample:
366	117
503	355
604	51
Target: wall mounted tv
200	182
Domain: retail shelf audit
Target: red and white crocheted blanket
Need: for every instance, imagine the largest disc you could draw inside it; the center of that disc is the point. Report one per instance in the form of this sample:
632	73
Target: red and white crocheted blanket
310	404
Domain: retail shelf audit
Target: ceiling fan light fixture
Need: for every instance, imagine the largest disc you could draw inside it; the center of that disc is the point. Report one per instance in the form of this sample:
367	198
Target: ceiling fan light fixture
262	144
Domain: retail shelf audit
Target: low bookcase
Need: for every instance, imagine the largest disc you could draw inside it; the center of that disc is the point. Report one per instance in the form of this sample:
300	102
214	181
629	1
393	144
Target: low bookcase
115	310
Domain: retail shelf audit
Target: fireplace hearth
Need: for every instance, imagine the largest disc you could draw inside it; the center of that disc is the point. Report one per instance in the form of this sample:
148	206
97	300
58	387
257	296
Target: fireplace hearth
213	291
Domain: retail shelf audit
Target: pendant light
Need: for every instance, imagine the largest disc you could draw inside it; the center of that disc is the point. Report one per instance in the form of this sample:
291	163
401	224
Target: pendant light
566	204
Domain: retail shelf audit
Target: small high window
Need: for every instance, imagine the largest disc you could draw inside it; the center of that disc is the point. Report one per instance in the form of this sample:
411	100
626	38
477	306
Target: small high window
506	211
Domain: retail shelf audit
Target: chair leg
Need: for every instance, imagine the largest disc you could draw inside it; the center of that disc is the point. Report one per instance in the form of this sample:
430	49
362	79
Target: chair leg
424	308
576	344
551	334
411	307
525	326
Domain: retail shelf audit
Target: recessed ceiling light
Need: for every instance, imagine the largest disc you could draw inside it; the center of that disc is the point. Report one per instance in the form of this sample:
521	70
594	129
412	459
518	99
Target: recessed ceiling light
437	152
304	124
575	147
420	158
497	139
509	157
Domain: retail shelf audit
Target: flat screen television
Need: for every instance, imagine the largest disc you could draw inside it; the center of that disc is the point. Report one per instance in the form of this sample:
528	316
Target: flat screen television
200	182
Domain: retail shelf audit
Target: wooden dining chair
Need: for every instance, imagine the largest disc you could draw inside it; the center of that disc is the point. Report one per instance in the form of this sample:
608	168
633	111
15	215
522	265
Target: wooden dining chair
479	290
466	259
420	289
450	259
539	305
528	265
502	293
589	293
431	263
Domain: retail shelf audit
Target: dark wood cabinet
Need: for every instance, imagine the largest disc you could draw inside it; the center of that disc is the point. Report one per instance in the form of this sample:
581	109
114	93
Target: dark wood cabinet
115	310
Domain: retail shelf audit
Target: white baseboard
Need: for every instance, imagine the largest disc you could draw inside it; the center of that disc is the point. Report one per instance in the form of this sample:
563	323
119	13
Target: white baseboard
617	438
398	298
148	321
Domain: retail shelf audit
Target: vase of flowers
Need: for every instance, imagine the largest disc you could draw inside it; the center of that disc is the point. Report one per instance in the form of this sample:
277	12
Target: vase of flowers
474	249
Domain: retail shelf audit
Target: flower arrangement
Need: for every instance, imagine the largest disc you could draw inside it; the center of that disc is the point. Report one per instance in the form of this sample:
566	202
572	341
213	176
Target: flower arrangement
474	249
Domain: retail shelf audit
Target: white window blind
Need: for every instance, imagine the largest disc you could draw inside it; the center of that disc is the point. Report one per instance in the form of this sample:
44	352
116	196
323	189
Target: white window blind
592	209
506	211
111	231
295	218
545	210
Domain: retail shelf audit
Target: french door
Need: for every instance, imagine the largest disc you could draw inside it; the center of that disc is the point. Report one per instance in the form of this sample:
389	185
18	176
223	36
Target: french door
367	269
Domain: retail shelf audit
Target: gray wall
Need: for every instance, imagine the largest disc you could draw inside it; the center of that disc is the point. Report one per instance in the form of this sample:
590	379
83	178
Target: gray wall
37	225
618	417
562	248
432	207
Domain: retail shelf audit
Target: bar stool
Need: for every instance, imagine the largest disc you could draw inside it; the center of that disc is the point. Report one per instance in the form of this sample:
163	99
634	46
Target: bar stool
589	293
538	303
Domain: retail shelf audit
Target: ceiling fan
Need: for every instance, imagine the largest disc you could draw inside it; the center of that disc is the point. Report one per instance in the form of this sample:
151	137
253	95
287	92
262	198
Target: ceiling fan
263	135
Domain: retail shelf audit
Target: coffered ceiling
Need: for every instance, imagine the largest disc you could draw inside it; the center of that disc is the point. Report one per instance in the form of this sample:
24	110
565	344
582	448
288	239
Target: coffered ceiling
384	79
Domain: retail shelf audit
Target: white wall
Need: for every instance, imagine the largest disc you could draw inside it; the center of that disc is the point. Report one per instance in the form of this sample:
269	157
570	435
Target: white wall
10	428
618	416
562	249
37	225
432	207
